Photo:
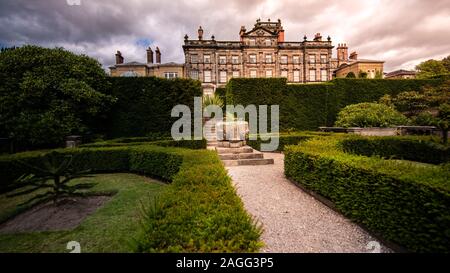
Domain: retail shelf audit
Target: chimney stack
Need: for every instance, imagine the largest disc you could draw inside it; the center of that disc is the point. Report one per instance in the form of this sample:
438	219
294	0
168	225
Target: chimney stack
342	53
354	56
119	58
149	55
158	55
200	33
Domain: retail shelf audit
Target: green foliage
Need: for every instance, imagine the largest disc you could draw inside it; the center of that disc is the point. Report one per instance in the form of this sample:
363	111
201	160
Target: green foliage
430	68
369	115
408	148
53	176
284	139
47	94
213	100
406	203
145	103
350	75
200	212
222	93
443	121
446	63
309	106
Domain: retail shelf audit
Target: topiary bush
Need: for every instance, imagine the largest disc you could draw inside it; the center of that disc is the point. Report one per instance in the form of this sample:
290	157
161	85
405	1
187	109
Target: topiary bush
406	203
369	115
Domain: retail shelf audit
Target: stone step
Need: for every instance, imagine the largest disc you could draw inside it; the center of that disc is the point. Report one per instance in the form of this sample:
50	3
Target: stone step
240	150
241	156
248	162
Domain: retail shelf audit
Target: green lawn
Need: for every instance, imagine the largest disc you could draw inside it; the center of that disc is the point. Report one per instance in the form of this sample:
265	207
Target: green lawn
110	229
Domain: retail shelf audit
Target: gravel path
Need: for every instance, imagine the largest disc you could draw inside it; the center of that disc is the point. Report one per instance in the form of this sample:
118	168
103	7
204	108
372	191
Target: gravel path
292	220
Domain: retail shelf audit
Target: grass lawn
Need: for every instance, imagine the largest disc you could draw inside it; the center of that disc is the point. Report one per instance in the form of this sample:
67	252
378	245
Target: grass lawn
110	229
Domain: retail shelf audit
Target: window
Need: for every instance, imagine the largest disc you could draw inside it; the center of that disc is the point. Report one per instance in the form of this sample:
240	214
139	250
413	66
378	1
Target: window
253	73
194	74
223	76
284	73
194	58
296	59
323	75
312	58
268	42
269	73
171	75
268	58
252	58
130	73
296	75
235	59
323	59
207	75
284	59
312	75
252	42
206	59
222	59
235	74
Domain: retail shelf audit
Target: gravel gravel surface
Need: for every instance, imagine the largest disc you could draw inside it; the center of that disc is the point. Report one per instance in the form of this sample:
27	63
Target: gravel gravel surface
292	220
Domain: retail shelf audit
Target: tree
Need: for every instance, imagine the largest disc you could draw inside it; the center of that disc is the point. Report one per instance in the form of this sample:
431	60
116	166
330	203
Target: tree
378	74
47	94
446	63
430	68
351	75
443	121
369	115
52	178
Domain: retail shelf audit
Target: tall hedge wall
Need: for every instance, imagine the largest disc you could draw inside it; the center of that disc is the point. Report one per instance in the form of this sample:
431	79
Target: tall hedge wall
145	103
308	106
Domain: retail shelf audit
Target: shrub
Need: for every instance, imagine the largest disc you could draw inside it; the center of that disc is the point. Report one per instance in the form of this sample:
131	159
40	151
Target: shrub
351	75
285	139
409	148
199	212
369	115
407	203
145	103
309	106
48	94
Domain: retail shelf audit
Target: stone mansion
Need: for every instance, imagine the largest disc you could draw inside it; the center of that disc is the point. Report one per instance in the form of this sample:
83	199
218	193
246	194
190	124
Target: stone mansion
261	52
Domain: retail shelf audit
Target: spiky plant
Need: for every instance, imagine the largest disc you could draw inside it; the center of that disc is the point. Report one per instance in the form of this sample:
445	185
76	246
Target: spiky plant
54	175
212	100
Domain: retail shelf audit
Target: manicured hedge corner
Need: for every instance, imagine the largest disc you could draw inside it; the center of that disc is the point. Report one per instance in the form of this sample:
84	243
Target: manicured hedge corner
409	148
285	139
155	162
407	203
200	212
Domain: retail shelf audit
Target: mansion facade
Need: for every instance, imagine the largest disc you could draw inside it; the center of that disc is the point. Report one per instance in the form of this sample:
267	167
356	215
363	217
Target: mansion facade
261	52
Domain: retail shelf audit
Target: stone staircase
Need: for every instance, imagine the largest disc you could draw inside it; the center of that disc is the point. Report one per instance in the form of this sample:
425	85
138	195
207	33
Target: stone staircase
233	153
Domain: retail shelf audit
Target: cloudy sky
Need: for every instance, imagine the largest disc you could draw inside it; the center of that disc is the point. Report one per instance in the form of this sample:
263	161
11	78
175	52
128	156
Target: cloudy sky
403	33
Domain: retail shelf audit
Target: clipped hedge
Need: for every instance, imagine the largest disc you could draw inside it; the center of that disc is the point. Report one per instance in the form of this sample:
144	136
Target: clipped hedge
285	139
309	106
199	212
145	103
409	148
189	144
407	203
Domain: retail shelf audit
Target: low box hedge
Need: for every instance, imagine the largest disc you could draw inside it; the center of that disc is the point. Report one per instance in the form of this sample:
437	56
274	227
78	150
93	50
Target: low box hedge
409	148
198	212
285	139
164	142
406	202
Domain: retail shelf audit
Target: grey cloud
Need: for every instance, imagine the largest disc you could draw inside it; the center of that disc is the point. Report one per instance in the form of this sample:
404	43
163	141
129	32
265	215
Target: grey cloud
412	28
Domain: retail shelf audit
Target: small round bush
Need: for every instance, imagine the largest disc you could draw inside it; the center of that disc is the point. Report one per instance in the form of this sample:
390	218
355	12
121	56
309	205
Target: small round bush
369	115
